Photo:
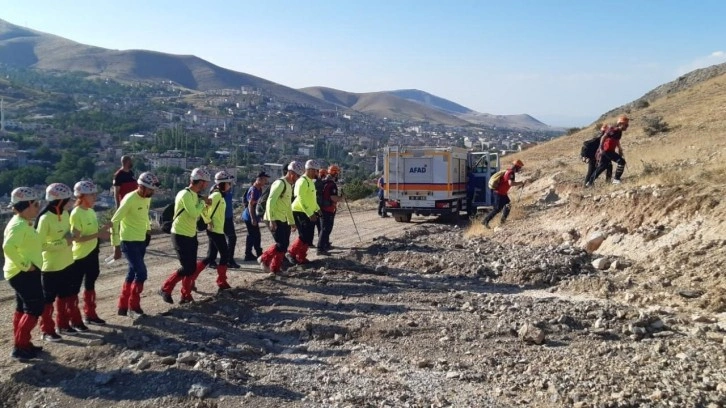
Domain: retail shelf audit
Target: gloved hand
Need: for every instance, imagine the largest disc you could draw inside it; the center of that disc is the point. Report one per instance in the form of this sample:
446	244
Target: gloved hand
147	241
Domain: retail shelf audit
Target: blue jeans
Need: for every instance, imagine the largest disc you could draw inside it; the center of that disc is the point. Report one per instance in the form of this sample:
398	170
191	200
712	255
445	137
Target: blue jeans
134	252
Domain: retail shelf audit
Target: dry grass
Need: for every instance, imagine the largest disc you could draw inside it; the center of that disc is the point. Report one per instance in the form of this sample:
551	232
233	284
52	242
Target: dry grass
693	151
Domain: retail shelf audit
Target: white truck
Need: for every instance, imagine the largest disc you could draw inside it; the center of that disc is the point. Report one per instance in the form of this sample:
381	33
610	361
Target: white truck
439	181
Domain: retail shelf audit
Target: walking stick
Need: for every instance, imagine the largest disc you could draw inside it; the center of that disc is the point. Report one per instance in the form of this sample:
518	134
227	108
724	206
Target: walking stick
352	219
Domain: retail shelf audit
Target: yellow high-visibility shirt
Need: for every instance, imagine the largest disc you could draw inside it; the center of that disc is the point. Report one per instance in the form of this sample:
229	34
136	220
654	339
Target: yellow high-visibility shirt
131	221
305	196
52	231
21	247
214	212
85	221
185	222
279	202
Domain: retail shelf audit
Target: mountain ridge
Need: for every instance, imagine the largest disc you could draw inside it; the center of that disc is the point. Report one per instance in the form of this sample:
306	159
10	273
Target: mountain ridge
28	48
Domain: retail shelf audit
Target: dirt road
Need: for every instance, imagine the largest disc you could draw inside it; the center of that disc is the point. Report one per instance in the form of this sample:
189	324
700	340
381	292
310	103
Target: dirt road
416	316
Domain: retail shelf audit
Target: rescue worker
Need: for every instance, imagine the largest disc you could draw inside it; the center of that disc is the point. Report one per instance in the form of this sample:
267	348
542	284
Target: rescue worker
501	197
382	197
130	235
305	211
86	234
611	151
589	156
230	233
123	180
250	218
23	259
328	207
322	174
278	214
214	215
54	230
188	207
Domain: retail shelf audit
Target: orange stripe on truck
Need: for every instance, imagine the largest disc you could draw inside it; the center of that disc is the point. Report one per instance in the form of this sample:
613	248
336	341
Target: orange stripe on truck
429	187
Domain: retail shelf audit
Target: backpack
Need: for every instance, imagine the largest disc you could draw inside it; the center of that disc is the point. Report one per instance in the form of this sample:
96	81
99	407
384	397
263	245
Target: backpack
168	217
319	187
589	147
262	202
495	179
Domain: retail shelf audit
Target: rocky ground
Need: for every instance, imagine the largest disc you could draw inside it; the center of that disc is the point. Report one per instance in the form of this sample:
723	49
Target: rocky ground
417	315
425	315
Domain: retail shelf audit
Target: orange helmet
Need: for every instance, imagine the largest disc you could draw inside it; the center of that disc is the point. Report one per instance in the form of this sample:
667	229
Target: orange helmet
623	119
518	163
322	173
334	170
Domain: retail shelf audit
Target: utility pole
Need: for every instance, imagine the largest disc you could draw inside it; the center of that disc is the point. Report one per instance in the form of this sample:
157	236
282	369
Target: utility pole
2	114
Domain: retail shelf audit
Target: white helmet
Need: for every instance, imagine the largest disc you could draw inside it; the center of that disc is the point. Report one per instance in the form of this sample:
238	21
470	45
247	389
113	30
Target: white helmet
149	180
296	167
58	191
223	177
200	174
312	164
21	194
84	187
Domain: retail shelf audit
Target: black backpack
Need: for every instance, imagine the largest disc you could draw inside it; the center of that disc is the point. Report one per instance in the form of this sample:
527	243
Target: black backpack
168	217
589	147
262	202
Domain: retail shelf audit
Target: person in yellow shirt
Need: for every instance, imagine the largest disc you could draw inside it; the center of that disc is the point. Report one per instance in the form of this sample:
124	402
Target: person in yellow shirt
86	233
23	259
305	211
278	214
54	229
130	235
214	216
188	207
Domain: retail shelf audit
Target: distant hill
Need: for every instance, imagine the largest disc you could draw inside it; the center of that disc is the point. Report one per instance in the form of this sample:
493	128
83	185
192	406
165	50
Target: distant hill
22	47
433	101
26	48
522	121
384	104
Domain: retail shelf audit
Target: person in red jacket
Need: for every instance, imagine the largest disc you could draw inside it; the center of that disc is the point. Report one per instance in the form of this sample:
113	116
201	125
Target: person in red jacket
501	197
611	151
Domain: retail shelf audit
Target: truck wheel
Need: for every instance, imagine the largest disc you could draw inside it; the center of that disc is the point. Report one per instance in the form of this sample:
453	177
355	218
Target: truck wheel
405	217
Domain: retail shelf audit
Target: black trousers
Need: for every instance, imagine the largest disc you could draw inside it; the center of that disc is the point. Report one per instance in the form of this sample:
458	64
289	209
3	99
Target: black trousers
592	166
217	243
606	160
381	206
281	235
327	221
28	292
186	251
254	239
305	227
231	235
58	284
86	271
501	204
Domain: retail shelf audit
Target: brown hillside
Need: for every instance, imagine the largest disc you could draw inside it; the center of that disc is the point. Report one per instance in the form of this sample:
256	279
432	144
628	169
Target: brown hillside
27	48
384	104
667	218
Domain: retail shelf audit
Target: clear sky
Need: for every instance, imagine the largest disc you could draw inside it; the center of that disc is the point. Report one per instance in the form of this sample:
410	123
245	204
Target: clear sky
564	62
